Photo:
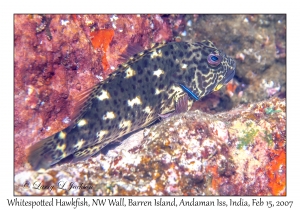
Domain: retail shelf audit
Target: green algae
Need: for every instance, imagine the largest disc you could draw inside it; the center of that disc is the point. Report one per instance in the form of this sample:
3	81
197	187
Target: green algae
268	138
271	110
248	136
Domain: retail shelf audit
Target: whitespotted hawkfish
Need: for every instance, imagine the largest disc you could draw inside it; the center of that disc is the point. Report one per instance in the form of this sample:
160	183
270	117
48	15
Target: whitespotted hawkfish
156	83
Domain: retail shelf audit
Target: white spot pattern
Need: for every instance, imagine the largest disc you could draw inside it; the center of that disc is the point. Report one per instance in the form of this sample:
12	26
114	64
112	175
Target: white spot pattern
136	101
104	95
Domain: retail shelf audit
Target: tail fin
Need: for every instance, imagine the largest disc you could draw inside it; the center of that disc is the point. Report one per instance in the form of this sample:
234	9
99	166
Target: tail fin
46	152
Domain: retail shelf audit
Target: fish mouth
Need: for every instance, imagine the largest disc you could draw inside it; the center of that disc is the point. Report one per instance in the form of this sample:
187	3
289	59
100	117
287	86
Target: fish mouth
230	73
228	76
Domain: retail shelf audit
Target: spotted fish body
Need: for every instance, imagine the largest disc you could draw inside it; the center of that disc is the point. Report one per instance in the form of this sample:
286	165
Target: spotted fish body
151	84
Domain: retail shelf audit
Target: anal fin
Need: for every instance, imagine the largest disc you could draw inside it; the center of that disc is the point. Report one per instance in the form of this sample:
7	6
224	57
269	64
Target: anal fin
87	152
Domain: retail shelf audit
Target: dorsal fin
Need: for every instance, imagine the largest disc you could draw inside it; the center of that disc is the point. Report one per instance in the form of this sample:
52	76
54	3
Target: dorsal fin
82	102
130	51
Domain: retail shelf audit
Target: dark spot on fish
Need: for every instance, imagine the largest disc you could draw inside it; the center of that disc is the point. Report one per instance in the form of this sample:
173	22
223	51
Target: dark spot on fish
115	93
195	60
161	86
180	54
122	90
165	96
203	69
107	102
196	44
140	81
133	114
133	87
140	70
187	78
188	55
174	57
205	54
115	102
147	79
149	72
152	90
198	75
145	62
171	64
171	91
166	53
45	149
171	47
195	50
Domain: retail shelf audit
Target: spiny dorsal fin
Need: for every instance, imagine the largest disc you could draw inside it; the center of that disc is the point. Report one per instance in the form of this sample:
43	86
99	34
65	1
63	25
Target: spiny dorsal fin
83	100
131	50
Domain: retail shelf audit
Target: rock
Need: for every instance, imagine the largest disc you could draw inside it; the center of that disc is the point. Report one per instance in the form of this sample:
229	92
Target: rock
240	152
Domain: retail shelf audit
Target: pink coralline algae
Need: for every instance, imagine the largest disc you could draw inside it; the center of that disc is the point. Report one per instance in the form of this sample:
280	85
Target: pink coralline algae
240	152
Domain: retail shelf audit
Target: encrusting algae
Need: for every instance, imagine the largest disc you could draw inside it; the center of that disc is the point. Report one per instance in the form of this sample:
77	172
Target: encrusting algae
182	155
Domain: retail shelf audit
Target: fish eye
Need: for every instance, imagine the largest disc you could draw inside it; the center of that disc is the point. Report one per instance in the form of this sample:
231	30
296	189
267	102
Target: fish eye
214	59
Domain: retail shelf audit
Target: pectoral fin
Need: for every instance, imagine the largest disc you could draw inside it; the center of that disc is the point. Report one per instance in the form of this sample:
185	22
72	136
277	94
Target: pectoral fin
182	105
